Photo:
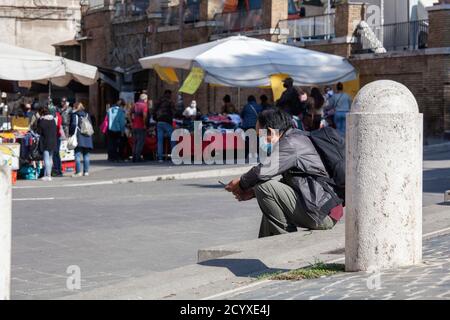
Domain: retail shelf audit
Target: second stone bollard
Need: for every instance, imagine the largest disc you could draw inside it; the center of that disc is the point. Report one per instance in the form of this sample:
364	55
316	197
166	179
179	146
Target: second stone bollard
383	224
5	231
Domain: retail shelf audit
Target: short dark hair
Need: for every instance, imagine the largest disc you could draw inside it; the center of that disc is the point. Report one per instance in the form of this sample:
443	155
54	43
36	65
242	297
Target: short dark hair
167	92
264	98
275	119
340	86
251	98
227	98
43	111
288	82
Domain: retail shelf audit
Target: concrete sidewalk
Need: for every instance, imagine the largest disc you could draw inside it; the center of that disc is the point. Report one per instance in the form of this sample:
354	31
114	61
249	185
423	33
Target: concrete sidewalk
235	267
103	172
429	280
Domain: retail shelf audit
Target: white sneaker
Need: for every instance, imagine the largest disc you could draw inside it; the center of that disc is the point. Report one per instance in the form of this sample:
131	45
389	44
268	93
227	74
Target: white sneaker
86	174
46	178
76	175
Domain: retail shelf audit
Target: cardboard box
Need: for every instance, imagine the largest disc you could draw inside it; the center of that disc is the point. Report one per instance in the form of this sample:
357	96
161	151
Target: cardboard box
65	153
10	154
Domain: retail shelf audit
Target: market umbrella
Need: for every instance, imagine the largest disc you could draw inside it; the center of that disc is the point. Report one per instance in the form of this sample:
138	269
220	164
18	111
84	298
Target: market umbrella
20	64
241	61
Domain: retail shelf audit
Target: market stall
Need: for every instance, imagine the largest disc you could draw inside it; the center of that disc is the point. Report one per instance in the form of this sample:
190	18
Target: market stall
240	61
17	141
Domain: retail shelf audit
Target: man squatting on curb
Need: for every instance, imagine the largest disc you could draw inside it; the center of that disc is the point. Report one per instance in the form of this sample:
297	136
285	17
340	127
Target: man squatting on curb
305	196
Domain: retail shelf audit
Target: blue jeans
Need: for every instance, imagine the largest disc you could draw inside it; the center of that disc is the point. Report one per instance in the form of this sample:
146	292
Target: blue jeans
78	152
163	129
339	119
139	141
57	169
48	162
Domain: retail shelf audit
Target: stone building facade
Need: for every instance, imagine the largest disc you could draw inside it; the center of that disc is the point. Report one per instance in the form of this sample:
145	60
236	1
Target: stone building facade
39	24
118	33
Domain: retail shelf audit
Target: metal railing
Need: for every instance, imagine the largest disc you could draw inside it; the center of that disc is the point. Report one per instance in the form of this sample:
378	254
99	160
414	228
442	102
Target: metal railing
307	28
239	21
171	16
410	35
131	8
96	4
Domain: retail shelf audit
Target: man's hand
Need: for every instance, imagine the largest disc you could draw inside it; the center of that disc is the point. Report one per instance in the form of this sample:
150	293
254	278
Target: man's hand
234	187
246	195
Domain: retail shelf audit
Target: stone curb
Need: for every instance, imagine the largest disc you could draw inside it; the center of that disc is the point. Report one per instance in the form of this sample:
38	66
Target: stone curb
440	147
154	178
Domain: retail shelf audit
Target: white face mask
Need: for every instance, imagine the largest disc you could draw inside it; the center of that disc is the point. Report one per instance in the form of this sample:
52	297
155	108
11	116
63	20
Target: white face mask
265	145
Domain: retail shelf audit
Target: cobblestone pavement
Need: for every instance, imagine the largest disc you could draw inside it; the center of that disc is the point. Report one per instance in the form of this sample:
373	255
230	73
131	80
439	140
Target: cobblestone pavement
429	280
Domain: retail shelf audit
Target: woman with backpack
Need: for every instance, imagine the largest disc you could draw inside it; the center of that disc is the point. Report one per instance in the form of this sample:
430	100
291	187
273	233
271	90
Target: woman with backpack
47	129
81	126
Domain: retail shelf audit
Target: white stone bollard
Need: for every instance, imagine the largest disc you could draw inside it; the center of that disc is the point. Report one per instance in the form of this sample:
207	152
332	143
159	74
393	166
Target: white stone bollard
383	224
5	232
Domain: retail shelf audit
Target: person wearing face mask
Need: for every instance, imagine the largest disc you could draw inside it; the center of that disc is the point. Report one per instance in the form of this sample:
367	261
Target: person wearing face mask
191	111
300	198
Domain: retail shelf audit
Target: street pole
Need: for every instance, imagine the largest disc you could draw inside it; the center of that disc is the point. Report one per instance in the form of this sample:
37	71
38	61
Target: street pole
383	225
5	231
180	34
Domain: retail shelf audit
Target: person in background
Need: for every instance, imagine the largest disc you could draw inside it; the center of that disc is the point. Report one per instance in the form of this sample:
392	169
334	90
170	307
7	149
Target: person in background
34	120
28	112
328	109
57	165
4	105
341	103
66	113
265	105
116	128
179	110
249	113
228	107
191	111
47	129
328	92
289	100
139	115
249	116
85	143
315	105
163	114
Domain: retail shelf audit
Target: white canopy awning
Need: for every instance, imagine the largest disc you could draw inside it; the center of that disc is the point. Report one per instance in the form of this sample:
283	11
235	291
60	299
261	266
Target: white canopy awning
20	64
248	62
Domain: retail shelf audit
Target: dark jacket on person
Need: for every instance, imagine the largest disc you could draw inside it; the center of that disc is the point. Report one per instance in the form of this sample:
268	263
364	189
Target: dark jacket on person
249	115
300	165
66	115
75	122
46	128
290	102
164	110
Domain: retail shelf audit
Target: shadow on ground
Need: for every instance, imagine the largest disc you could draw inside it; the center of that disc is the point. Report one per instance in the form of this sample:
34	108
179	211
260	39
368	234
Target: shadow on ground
242	267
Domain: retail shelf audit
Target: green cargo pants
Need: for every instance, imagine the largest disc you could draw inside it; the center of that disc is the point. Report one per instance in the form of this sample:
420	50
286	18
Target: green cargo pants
282	212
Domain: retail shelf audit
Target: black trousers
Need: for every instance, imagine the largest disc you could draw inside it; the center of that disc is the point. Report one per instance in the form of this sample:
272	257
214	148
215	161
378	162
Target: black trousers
114	145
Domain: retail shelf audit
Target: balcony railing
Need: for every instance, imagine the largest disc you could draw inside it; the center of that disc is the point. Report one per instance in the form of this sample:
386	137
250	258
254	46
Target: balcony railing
239	21
96	4
171	16
410	35
307	29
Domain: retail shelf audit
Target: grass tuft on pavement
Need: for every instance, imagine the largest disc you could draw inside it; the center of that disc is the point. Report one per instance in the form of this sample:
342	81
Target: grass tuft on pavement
314	271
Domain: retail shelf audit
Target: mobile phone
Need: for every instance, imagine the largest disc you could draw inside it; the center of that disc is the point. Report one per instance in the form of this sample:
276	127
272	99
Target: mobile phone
222	183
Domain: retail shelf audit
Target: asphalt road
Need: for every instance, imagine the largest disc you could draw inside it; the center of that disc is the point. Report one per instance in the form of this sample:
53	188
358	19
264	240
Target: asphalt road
116	232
